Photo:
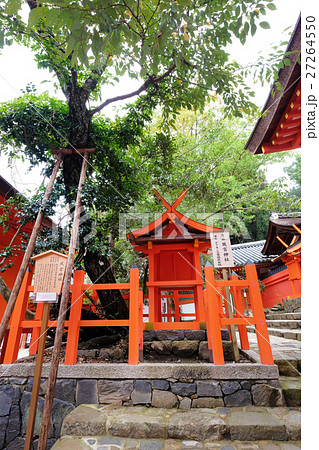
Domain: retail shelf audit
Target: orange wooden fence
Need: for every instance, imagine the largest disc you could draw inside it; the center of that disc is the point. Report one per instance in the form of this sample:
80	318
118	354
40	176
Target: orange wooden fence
18	325
216	316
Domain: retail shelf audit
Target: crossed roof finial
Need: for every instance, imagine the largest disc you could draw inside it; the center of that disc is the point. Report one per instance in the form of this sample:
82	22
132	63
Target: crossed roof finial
172	207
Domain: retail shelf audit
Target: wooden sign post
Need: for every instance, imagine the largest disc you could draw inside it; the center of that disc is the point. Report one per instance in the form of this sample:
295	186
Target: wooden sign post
48	278
223	258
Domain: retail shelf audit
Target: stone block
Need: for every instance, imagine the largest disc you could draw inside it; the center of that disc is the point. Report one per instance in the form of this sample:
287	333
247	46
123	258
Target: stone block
207	402
164	399
195	335
16	444
24	407
291	389
196	425
254	426
65	390
292	421
60	410
142	393
84	421
203	351
17	380
225	334
185	403
138	426
6	394
245	384
14	424
229	387
50	443
162	347
110	391
288	367
184	349
149	335
3	427
169	335
239	398
162	385
208	389
87	353
183	389
86	392
265	395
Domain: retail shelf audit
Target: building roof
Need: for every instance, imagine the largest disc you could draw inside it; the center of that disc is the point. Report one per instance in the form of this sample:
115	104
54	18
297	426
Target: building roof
249	251
282	226
171	226
279	128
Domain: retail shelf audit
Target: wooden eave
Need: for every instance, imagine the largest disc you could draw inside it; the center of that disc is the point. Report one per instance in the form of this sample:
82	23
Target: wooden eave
282	227
196	230
282	110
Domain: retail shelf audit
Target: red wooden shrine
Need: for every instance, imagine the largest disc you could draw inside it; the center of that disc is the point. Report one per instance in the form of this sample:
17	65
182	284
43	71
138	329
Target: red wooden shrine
173	244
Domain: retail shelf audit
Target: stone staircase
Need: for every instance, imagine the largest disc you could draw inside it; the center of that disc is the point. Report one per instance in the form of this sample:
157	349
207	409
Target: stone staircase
286	325
138	427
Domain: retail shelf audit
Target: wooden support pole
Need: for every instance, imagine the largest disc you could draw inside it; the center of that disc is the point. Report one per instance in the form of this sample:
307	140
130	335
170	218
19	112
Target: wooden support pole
230	315
28	252
28	443
45	424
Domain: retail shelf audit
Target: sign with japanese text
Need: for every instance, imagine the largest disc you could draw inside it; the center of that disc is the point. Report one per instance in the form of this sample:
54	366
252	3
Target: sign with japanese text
48	275
221	247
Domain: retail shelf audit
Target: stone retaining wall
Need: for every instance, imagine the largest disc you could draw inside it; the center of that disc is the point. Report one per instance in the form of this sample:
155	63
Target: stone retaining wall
157	385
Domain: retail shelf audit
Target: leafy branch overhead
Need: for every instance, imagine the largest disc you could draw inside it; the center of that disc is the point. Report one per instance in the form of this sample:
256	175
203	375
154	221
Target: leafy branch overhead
182	41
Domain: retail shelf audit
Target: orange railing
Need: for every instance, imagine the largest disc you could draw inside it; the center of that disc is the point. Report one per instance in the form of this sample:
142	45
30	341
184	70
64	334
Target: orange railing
18	325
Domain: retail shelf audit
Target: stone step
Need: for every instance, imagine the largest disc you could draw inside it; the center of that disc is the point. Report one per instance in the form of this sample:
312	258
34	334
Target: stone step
283	316
283	332
114	443
291	388
289	324
139	422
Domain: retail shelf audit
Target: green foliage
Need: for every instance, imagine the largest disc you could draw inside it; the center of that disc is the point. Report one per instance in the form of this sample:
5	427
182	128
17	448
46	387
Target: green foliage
294	173
182	41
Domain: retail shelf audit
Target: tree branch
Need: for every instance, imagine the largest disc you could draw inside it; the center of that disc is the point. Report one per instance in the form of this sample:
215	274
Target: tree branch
148	82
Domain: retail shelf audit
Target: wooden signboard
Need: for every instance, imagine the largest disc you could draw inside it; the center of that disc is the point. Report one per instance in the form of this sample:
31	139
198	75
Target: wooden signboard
222	252
48	275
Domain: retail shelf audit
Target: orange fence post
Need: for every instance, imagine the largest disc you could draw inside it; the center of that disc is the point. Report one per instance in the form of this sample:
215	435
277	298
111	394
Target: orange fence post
259	315
239	309
72	342
212	315
141	327
176	307
36	330
134	322
208	328
18	315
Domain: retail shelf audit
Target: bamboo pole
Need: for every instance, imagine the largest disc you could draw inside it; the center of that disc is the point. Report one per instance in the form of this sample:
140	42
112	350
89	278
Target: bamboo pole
48	402
230	314
37	378
17	284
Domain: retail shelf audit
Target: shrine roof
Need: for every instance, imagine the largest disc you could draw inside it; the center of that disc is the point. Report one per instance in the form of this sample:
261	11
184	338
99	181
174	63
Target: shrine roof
249	251
283	227
279	126
184	228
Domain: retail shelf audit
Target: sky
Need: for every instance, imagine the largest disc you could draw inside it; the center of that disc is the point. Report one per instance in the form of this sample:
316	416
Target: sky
17	69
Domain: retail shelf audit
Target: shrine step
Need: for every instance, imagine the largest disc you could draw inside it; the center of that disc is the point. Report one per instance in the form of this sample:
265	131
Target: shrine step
103	425
286	333
293	324
283	316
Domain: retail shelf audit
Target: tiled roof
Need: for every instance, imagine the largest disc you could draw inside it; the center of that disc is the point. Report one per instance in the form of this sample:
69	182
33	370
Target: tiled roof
249	251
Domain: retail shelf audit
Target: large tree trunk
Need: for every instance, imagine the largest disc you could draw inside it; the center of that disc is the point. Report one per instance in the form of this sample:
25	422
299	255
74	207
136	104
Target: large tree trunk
97	267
